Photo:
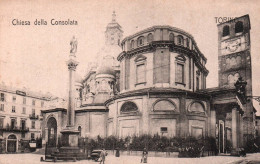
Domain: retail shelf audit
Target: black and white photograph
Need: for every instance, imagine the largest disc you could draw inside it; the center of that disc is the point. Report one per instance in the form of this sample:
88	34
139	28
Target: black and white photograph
129	81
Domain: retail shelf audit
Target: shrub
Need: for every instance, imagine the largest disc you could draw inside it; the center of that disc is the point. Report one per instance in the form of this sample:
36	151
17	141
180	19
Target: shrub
189	146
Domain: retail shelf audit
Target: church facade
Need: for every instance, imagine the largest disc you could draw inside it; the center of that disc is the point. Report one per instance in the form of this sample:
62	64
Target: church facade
154	82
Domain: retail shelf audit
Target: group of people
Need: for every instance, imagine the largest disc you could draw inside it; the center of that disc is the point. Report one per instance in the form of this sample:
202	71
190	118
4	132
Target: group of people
103	155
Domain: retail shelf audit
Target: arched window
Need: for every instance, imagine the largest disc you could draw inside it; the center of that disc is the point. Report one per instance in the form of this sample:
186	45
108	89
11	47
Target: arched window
171	37
128	107
164	105
197	107
132	44
140	41
188	42
150	38
239	27
230	79
238	60
12	136
180	40
225	31
236	76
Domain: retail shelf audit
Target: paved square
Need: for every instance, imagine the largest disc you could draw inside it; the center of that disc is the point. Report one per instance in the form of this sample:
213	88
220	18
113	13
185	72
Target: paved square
35	159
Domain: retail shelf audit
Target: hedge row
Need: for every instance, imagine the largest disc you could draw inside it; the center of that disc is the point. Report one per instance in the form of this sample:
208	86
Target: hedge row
152	143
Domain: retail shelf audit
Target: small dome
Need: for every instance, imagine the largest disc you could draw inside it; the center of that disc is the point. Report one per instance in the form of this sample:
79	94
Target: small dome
78	78
105	70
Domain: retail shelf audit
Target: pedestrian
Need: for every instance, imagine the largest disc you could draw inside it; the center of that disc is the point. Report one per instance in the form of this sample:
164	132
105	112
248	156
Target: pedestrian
117	152
103	156
144	156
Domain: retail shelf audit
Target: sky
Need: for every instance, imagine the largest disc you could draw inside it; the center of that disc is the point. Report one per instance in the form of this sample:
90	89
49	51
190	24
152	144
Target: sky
34	56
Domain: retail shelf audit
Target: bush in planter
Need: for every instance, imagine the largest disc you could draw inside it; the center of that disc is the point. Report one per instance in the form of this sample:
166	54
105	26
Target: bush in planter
110	143
228	146
251	146
191	147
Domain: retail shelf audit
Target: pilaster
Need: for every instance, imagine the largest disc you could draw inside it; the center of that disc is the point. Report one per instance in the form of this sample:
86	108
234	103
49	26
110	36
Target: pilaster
234	128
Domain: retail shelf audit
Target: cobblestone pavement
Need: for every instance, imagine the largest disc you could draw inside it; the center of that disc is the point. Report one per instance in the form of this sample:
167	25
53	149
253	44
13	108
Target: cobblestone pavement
35	159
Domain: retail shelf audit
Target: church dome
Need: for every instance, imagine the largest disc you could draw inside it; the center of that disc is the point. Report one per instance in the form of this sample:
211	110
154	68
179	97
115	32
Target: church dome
78	78
105	70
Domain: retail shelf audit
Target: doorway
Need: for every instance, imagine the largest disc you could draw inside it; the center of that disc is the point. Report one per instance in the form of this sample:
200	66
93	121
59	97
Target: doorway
52	132
221	136
11	143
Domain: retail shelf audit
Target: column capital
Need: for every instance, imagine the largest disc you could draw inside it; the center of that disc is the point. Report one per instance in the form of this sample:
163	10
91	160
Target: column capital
72	64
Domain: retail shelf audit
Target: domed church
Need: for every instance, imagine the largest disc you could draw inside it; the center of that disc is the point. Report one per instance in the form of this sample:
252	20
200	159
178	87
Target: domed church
154	82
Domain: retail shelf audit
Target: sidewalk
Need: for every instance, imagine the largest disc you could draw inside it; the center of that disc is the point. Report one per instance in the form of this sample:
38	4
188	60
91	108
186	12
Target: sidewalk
111	159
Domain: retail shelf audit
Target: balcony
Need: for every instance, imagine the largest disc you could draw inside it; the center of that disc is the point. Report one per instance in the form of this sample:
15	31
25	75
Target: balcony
8	128
34	116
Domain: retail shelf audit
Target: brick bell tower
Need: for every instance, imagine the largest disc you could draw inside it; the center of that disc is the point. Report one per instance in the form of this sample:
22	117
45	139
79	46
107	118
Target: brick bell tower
234	58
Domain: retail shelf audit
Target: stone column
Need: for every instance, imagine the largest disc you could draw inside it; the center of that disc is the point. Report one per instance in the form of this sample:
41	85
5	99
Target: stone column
238	129
234	128
241	131
213	122
46	135
72	64
70	133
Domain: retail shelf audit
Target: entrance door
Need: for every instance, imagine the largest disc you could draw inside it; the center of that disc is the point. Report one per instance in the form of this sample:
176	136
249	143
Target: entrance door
11	146
11	143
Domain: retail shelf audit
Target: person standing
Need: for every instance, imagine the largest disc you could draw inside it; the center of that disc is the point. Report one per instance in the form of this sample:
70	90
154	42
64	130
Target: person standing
103	156
144	156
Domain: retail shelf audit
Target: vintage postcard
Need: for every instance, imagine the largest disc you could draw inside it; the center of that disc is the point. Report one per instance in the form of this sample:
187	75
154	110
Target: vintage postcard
125	82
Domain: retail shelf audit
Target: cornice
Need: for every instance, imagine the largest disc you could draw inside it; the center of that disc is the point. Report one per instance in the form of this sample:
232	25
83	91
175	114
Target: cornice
165	44
174	29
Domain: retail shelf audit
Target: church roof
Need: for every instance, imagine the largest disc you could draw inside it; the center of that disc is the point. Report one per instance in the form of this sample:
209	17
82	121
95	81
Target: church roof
78	78
113	23
105	70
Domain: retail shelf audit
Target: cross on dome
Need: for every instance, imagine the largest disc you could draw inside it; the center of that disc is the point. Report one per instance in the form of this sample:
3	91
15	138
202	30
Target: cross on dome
114	16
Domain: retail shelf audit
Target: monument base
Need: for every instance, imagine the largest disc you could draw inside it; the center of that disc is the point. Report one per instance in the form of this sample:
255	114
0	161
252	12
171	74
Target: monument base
69	137
69	149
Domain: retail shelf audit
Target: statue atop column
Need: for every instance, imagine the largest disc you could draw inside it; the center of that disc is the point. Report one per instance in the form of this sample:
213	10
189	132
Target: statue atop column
73	44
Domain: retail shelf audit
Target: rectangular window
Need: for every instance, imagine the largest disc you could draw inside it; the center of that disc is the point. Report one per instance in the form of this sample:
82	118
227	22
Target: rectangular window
32	135
180	73
42	103
23	135
1	122
24	100
13	109
197	83
33	111
23	124
140	73
33	124
14	98
24	110
33	102
13	122
2	107
2	97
